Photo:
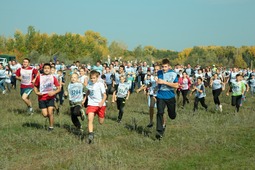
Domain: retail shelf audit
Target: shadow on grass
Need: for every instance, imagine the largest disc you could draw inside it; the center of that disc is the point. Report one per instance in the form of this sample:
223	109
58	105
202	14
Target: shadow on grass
112	117
140	112
23	111
138	129
33	125
75	131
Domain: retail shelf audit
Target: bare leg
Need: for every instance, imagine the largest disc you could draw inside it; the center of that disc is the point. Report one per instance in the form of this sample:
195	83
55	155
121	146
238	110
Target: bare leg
91	116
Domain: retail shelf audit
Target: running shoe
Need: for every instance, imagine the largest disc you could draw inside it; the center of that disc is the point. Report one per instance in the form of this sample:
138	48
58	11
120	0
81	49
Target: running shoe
159	136
150	125
119	120
90	138
30	110
220	108
164	128
50	129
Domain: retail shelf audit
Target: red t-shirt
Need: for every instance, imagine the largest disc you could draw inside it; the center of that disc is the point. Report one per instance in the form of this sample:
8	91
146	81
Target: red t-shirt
27	75
45	84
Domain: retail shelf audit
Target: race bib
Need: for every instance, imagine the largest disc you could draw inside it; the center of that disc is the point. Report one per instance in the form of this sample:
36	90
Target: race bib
46	83
26	77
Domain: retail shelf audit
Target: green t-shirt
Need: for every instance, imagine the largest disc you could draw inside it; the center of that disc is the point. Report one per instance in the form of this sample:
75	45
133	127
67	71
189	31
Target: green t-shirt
237	88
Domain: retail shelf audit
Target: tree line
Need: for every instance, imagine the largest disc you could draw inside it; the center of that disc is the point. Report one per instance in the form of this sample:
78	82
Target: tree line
90	47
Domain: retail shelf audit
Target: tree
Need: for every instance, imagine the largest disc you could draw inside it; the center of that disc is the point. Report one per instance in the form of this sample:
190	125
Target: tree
239	62
2	44
95	46
19	43
117	49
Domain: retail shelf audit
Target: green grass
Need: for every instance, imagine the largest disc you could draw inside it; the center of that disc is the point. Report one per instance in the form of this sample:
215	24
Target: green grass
204	140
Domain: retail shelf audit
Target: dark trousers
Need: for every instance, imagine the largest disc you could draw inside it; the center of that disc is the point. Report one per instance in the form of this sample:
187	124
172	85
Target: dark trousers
216	93
120	106
75	112
161	104
59	97
201	100
236	101
109	90
13	81
184	96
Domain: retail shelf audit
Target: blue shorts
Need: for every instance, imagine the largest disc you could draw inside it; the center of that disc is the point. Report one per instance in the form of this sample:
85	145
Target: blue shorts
27	91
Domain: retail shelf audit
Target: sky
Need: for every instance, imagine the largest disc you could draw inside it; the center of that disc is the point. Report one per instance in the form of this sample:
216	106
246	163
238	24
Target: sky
164	24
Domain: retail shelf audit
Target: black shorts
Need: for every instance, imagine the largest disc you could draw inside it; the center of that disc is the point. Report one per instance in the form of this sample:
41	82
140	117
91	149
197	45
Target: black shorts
46	103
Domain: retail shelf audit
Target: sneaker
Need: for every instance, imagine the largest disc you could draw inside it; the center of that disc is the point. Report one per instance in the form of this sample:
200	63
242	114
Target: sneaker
82	114
30	110
150	125
4	92
164	128
50	129
90	138
217	107
220	108
159	136
119	120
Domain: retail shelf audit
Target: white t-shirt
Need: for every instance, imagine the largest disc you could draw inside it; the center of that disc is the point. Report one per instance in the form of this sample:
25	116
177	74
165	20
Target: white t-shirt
96	93
14	69
83	78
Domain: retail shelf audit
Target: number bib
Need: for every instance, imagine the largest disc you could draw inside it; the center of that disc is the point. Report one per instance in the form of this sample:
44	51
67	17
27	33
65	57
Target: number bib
46	83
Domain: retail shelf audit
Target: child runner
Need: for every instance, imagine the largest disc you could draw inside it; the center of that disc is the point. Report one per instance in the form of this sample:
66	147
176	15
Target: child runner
217	85
2	78
8	77
152	95
96	102
184	85
27	76
167	80
252	85
62	83
75	90
43	87
247	87
237	87
120	96
199	89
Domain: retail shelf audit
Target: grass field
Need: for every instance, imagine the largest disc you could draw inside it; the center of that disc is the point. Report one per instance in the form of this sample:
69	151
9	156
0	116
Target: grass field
204	140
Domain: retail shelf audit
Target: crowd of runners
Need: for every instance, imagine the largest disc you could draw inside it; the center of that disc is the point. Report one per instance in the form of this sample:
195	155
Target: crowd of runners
90	87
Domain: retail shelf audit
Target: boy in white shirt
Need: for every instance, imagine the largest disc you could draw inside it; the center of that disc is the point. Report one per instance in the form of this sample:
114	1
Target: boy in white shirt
96	102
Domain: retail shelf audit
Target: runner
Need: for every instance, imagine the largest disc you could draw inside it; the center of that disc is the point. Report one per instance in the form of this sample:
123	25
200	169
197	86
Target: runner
27	76
167	80
44	89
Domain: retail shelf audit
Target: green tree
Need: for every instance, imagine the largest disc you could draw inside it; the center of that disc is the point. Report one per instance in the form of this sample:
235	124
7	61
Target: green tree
19	42
117	49
95	46
239	62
